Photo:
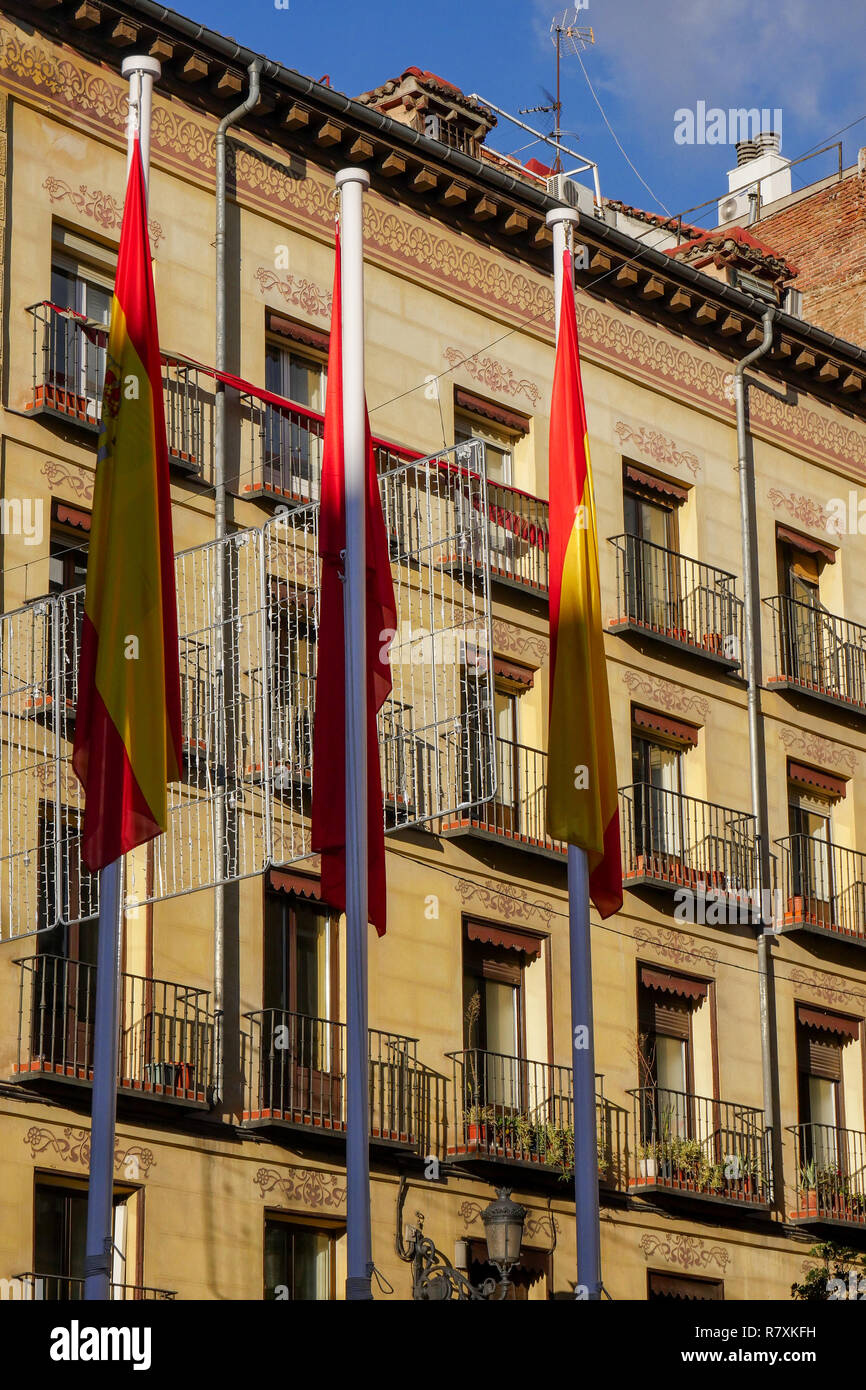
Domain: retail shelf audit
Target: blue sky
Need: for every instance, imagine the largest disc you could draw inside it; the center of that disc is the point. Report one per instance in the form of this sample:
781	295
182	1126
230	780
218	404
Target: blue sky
650	58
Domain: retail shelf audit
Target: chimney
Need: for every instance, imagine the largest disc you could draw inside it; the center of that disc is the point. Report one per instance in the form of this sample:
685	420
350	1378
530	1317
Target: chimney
758	158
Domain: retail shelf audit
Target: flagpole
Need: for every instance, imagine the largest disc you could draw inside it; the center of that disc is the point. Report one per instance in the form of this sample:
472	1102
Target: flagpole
586	1211
99	1239
351	183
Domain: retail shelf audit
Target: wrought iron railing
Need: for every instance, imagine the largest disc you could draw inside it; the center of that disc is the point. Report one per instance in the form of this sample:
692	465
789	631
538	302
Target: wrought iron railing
295	1073
515	1110
69	354
823	886
672	596
817	652
63	1288
678	841
691	1143
831	1174
166	1030
518	809
518	531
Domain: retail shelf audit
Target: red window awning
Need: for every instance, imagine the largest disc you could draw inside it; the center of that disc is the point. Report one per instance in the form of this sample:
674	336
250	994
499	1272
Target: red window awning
813	777
513	671
297	332
302	885
71	516
680	985
658	723
829	1023
507	938
803	542
490	410
639	477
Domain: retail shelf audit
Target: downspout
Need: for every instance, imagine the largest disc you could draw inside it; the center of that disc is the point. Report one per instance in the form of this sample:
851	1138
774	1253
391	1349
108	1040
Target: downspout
757	752
237	114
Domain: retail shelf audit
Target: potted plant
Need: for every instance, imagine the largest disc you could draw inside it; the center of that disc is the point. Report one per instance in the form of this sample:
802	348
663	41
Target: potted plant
807	1192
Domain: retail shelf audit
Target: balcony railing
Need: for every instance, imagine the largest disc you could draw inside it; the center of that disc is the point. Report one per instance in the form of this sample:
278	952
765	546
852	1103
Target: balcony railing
818	653
518	536
518	810
674	841
824	887
166	1030
295	1075
62	1288
831	1174
69	353
699	1145
513	1110
670	596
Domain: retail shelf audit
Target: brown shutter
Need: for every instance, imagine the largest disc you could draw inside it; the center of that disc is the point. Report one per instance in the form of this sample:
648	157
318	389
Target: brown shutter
681	1286
808	544
297	332
504	938
490	410
661	1013
801	775
513	671
668	983
819	1057
677	729
844	1028
299	884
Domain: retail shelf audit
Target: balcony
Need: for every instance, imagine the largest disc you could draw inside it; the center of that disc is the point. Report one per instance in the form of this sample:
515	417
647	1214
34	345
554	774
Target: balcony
518	538
676	600
61	1288
511	1111
69	354
517	812
818	654
678	842
831	1176
824	887
699	1147
166	1032
295	1074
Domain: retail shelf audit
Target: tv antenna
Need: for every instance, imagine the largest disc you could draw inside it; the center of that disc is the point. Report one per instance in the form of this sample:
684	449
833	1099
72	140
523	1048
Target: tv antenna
568	37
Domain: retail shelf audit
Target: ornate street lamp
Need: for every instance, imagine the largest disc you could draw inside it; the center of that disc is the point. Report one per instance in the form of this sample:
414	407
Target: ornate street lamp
434	1278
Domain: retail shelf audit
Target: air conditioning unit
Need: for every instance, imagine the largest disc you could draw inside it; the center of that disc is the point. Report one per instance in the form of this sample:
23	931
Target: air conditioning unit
572	194
733	207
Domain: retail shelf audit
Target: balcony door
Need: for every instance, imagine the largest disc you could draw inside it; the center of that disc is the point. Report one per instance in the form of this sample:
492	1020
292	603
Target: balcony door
292	449
652	587
59	1232
292	656
301	1055
64	980
76	359
665	1064
819	1056
299	1262
809	636
811	858
506	717
493	1027
657	775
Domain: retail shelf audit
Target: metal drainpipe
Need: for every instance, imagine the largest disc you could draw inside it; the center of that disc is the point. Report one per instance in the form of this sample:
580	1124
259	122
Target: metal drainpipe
757	757
237	114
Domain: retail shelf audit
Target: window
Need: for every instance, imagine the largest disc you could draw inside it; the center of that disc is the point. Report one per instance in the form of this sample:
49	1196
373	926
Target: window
811	853
60	1227
301	1044
808	635
67	574
665	1052
506	722
292	443
498	444
292	639
653	588
657	775
76	357
299	1261
493	1020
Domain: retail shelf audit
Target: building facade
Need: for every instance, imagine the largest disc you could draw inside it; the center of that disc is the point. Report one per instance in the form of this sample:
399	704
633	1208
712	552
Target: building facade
230	1172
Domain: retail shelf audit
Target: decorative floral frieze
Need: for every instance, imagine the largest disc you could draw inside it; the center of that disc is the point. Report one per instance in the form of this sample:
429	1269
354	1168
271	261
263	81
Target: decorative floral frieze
657	446
512	902
59	474
664	693
831	988
73	1146
803	509
493	374
674	947
819	750
311	1187
513	641
688	1252
96	203
296	291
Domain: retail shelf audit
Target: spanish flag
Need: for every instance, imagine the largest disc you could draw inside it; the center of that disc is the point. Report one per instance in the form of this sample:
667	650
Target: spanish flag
127	729
582	794
328	821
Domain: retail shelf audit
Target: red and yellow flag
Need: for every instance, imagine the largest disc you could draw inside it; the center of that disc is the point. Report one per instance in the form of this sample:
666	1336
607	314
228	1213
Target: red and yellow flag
127	730
582	793
328	830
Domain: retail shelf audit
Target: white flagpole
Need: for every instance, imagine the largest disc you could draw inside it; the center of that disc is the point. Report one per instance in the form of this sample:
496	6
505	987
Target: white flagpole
99	1240
582	1036
351	183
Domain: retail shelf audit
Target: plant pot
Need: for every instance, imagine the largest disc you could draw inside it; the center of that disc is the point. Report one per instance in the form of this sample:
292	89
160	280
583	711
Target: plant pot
647	1169
478	1134
807	1204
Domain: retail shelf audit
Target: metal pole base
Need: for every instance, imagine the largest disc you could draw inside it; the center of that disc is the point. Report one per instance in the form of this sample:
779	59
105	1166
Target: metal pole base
359	1289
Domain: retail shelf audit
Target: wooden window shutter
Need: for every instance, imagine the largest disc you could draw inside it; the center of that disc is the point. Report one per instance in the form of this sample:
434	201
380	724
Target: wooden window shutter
818	1057
664	1014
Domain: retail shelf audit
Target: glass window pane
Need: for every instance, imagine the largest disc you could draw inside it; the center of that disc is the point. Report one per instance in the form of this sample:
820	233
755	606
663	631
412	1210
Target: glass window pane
671	1063
312	962
312	1266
